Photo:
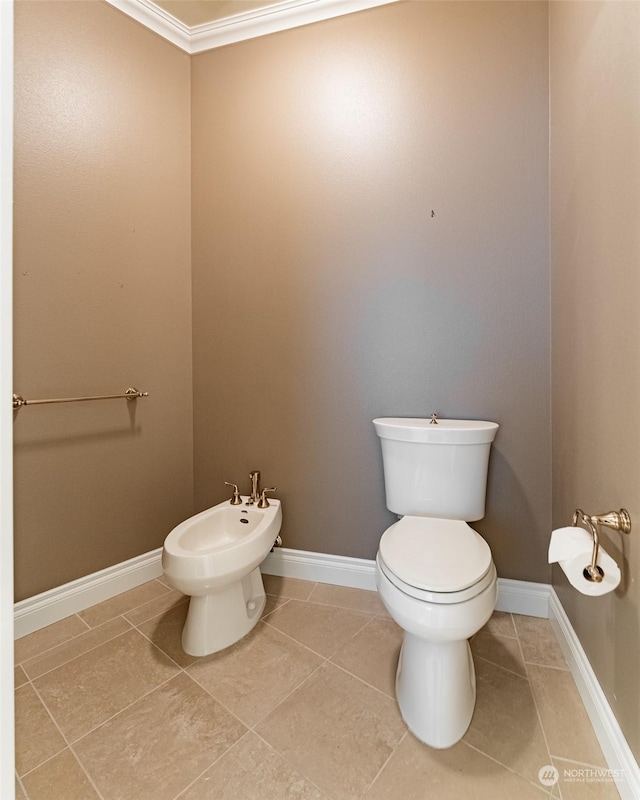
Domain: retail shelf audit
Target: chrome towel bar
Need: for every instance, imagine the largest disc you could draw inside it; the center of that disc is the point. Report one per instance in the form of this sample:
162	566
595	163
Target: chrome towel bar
130	394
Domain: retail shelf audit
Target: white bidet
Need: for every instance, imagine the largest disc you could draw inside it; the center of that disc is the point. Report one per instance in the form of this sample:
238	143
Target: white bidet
214	558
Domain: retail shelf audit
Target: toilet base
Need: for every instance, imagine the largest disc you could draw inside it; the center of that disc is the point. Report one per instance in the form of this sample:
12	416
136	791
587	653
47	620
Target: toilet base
436	689
222	618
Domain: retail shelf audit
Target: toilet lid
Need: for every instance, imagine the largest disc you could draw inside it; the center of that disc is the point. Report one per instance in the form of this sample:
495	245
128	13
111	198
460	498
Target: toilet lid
438	555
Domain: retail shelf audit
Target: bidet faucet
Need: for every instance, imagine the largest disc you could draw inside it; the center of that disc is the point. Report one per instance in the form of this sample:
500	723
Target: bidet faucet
254	477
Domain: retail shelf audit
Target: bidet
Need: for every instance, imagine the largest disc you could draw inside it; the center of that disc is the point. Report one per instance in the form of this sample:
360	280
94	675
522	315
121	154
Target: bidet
214	558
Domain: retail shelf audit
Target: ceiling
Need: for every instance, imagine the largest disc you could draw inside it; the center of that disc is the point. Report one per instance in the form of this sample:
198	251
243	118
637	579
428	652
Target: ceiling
199	25
198	12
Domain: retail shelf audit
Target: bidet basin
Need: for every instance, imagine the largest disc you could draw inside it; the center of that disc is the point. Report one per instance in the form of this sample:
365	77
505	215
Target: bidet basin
218	546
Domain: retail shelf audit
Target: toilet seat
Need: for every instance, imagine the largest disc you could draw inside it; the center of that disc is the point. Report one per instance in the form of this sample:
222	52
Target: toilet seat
436	560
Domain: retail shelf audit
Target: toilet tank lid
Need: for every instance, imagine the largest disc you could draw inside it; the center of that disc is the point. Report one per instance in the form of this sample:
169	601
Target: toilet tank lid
439	555
447	431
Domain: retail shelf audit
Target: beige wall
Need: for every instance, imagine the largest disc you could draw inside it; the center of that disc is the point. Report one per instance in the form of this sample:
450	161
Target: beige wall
326	293
595	208
102	290
369	227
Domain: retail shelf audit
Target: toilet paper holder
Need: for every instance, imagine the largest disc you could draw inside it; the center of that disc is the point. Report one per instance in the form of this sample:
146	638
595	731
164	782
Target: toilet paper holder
617	520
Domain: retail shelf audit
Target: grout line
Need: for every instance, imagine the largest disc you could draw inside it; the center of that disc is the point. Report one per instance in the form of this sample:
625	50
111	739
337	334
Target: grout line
54	646
21	784
215	761
299	580
369	685
160	650
535	701
387	760
504	766
128	610
500	666
179	602
218	701
46	760
548	666
125	708
273	610
57	727
292	765
84	652
292	639
86	772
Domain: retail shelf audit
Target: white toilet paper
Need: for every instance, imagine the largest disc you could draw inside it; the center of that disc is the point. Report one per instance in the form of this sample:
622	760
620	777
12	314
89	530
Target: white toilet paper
572	549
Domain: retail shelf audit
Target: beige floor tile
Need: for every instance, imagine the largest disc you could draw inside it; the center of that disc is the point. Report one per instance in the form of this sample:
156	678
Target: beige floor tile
345	597
372	654
165	631
578	782
418	772
122	603
254	675
505	723
57	656
37	737
153	608
60	777
564	718
88	690
53	635
322	628
158	746
500	624
252	769
19	677
501	650
539	643
273	602
335	730
287	587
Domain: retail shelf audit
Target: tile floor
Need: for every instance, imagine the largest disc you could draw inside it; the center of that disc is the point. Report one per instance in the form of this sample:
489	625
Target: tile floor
109	706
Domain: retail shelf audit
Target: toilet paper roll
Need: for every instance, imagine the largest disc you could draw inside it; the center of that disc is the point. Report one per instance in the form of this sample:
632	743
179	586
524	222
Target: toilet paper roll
572	548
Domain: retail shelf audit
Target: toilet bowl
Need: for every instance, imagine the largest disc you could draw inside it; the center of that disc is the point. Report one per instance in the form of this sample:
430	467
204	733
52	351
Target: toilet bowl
214	558
440	602
434	573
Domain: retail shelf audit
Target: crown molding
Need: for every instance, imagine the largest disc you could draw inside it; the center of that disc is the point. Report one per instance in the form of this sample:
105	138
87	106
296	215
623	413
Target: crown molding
239	27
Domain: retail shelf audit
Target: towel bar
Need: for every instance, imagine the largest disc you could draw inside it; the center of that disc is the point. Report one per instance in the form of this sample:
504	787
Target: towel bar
131	394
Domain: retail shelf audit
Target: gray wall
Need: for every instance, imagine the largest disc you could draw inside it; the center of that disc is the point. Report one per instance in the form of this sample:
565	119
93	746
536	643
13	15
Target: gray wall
595	205
102	290
327	293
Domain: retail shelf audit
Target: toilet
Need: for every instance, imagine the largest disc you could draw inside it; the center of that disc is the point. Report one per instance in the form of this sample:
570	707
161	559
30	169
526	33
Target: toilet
214	558
435	574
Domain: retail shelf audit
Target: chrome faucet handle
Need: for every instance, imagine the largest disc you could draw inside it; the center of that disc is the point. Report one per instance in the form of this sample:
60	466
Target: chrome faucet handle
263	502
236	500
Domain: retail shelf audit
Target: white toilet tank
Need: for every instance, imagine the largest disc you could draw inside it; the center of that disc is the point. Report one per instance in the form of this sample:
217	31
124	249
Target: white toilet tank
435	470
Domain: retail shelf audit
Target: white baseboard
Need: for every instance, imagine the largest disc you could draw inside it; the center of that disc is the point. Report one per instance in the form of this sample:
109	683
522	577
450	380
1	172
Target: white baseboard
523	597
359	573
51	606
518	597
44	609
614	746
